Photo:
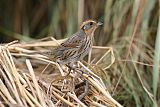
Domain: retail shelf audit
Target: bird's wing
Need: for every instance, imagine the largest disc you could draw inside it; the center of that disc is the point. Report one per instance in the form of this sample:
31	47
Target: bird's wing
71	44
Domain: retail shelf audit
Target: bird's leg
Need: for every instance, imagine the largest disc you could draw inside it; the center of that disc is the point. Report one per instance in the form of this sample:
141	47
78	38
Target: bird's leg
81	71
86	88
69	69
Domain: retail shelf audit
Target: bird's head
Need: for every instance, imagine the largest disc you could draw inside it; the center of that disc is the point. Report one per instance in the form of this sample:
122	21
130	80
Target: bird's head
90	26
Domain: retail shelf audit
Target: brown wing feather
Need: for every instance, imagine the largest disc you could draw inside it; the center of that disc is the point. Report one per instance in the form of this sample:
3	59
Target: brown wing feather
70	46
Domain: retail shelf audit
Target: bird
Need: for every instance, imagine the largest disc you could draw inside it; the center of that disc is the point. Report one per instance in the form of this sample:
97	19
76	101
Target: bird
78	45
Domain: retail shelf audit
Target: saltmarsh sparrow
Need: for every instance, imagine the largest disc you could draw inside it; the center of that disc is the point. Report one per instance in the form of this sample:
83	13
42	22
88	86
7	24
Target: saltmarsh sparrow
78	45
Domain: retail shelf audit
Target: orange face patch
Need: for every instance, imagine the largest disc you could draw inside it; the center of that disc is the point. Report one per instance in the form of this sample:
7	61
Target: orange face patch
89	32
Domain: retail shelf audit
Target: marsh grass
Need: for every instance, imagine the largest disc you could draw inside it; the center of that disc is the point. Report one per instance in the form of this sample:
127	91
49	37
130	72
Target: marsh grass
29	79
130	29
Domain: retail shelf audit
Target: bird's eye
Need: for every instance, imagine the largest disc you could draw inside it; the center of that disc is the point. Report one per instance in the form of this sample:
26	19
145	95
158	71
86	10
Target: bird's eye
91	23
88	26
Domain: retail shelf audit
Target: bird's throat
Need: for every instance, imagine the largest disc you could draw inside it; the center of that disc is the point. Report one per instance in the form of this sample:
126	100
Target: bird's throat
89	32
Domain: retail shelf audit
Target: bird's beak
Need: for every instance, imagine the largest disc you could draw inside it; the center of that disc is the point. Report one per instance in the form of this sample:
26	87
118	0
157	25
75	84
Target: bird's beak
99	23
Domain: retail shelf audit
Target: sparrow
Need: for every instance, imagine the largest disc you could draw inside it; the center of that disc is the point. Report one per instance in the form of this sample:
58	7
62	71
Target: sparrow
78	45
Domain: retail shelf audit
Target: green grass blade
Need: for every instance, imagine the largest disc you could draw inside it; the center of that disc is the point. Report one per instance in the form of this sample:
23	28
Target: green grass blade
156	61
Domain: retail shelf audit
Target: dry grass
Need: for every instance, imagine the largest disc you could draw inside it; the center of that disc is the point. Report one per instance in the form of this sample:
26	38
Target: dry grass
29	80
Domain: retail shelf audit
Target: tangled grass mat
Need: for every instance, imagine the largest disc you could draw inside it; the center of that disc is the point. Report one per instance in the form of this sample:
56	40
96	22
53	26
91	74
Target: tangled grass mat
29	79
